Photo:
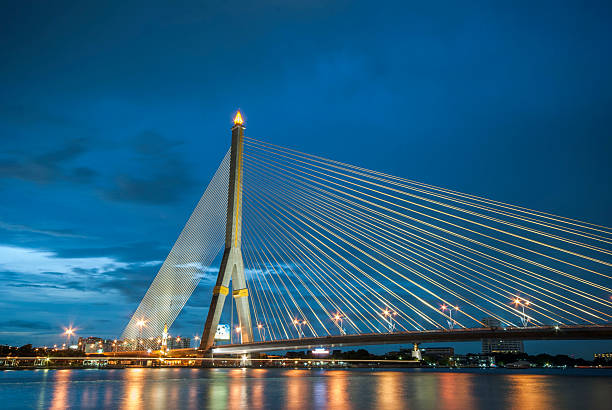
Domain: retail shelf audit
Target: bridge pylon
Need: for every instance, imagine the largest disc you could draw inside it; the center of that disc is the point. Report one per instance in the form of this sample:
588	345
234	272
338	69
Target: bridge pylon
232	265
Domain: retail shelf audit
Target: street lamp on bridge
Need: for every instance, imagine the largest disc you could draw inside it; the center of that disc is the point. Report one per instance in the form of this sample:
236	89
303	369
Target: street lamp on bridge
338	320
451	322
141	323
523	303
298	325
262	331
388	315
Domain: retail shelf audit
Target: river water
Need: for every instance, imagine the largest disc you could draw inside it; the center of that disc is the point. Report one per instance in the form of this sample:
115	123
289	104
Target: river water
301	389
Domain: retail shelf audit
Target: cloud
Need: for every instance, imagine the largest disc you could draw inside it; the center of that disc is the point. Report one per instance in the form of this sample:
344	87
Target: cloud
47	167
131	252
25	324
24	228
131	281
34	261
168	181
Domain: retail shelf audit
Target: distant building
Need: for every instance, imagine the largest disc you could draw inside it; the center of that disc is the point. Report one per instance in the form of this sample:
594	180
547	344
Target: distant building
179	342
606	357
438	352
490	346
93	344
472	360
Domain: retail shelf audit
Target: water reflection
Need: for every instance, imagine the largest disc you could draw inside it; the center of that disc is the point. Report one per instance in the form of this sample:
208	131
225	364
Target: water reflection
60	391
531	391
43	389
338	395
296	388
132	396
256	391
455	390
302	388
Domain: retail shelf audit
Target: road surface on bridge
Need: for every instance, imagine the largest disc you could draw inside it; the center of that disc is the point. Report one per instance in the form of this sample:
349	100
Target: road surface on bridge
590	332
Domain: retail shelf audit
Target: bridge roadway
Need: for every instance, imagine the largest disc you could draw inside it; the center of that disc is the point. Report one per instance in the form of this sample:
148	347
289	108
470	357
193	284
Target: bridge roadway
579	332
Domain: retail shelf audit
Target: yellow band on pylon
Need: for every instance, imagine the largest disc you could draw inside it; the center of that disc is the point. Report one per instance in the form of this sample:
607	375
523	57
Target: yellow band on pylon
240	293
223	290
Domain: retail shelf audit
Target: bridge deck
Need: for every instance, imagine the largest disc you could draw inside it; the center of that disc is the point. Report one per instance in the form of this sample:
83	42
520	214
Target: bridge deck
590	332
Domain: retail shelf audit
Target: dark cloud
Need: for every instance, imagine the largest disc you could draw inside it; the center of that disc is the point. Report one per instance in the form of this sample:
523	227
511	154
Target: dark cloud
169	179
35	285
62	233
131	252
25	324
50	166
132	281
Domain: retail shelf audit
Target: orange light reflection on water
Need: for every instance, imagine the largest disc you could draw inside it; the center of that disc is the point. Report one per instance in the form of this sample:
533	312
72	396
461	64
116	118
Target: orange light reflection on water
132	395
60	392
296	388
455	390
337	390
531	391
388	386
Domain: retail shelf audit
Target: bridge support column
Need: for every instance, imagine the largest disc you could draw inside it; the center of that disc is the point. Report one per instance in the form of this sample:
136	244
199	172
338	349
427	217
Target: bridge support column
232	265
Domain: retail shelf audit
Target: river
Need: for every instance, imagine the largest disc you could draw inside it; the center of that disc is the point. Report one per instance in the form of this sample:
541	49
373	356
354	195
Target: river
187	388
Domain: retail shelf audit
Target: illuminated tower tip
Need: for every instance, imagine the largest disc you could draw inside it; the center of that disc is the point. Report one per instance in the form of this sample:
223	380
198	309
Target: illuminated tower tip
238	118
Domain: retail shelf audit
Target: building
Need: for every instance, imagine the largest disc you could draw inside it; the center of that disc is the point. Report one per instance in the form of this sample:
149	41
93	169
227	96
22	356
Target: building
438	352
472	360
179	342
606	357
93	344
490	346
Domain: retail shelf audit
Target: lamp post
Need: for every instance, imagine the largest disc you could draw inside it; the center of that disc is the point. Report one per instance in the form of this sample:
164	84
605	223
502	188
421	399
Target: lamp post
338	319
523	303
388	315
141	323
239	332
69	332
262	331
450	320
298	325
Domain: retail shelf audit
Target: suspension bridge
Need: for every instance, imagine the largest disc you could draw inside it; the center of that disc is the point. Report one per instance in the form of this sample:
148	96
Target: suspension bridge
319	252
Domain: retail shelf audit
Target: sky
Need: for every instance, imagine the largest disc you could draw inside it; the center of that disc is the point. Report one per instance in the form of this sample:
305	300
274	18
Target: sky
115	115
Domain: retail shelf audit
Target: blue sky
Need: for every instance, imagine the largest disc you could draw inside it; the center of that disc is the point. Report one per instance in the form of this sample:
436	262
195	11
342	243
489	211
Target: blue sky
114	116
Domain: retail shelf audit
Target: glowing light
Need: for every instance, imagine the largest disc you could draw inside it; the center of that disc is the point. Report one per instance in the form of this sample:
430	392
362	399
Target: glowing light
238	118
260	326
69	331
238	329
141	323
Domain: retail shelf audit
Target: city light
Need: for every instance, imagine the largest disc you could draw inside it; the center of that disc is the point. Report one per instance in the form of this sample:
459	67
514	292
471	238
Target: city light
68	331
